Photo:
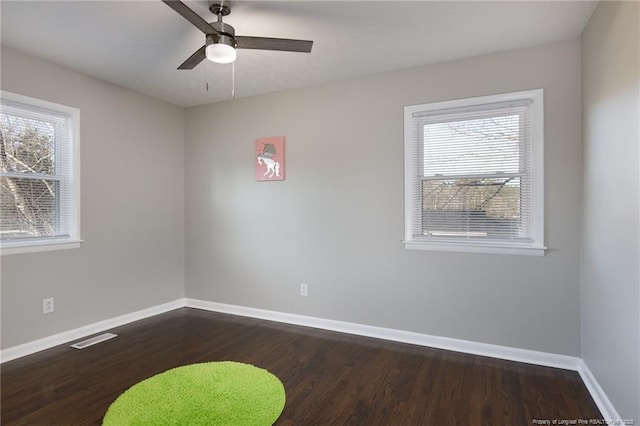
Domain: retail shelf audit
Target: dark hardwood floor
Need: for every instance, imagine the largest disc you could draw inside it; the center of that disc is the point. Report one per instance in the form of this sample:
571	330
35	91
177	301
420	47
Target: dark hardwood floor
330	378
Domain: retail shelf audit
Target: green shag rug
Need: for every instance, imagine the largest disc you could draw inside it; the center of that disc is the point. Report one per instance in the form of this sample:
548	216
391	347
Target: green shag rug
213	393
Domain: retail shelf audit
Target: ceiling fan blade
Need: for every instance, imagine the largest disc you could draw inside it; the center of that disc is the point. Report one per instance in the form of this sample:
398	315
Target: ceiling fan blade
267	43
191	16
197	57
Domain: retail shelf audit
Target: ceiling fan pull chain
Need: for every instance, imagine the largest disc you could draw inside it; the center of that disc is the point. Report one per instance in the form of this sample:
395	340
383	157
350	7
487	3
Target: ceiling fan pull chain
233	80
206	76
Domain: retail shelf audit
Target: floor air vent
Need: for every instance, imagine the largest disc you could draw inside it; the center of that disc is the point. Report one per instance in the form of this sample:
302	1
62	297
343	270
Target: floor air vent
94	340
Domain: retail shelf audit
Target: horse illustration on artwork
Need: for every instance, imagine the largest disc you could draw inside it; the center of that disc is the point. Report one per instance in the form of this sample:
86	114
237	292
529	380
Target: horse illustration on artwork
266	157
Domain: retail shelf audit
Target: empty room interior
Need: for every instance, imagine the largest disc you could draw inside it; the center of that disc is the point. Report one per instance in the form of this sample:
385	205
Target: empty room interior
409	213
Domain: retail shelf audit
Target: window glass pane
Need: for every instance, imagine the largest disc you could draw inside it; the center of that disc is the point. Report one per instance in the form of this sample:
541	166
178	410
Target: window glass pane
28	207
26	145
485	145
474	207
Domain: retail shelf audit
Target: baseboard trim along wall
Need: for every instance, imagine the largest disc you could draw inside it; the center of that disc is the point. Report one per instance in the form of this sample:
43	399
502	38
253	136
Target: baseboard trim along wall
82	332
475	348
599	397
457	345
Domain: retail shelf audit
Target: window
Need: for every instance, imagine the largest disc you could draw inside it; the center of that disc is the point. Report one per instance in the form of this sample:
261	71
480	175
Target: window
474	174
39	175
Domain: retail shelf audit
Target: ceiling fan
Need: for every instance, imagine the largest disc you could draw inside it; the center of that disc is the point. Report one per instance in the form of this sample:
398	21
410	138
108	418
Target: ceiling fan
220	39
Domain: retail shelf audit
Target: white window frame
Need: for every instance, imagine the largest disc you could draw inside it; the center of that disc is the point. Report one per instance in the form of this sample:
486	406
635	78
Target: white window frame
412	146
53	243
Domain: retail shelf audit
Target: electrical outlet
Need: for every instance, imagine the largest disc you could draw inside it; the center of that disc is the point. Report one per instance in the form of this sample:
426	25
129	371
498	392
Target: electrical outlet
304	290
47	305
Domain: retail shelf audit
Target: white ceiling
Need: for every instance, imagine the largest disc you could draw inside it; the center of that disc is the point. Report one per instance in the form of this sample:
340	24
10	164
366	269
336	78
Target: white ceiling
139	44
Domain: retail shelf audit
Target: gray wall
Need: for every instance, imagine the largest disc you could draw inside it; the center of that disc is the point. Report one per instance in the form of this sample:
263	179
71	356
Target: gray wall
337	221
132	208
611	218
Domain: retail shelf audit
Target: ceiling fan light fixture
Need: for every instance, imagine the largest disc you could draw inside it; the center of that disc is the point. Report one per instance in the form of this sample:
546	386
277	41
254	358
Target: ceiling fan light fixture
222	51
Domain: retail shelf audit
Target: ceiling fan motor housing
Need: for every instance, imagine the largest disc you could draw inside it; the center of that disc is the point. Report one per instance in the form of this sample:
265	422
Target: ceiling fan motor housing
227	34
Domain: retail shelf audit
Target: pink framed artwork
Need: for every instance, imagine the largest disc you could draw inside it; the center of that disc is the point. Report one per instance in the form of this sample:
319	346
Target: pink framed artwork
269	158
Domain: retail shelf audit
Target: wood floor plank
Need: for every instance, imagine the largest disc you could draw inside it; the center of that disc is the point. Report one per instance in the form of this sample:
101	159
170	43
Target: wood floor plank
330	378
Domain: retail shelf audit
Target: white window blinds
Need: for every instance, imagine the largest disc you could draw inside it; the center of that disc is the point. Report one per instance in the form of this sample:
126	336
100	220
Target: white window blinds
471	172
36	175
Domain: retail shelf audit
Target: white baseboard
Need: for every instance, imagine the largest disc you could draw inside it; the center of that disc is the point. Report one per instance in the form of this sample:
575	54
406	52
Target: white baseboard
605	406
79	333
457	345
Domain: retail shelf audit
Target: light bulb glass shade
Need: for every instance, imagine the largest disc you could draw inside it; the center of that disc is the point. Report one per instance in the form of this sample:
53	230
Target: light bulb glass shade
221	53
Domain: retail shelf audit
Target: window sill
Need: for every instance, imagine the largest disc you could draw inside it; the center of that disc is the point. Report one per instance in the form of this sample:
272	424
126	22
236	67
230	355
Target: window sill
477	247
39	246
